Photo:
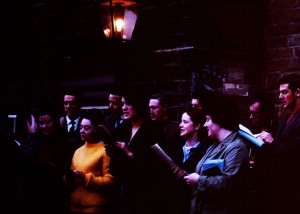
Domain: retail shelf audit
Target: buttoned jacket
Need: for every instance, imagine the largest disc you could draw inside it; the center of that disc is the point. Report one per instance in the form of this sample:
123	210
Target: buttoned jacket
223	192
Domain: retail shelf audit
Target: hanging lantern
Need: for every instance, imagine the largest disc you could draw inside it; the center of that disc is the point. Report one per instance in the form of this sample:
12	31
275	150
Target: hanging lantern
118	18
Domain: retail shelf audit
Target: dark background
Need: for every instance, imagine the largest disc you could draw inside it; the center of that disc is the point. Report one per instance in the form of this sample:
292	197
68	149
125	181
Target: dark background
49	45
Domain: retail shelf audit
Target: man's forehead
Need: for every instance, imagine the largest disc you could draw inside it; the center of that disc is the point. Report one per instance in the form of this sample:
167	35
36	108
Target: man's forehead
283	86
194	100
69	97
255	105
154	101
114	96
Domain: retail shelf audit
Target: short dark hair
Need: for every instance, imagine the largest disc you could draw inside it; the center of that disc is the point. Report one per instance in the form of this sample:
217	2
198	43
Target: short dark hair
76	93
292	79
267	100
115	91
224	112
163	99
138	99
94	115
204	96
197	115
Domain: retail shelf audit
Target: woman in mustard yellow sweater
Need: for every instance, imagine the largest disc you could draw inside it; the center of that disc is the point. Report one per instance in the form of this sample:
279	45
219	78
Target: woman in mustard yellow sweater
89	180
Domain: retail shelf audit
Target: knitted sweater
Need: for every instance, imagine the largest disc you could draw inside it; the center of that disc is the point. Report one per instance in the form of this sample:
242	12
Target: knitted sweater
93	195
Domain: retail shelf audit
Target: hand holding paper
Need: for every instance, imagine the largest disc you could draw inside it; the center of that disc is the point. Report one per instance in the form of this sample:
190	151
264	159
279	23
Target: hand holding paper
266	137
246	133
176	170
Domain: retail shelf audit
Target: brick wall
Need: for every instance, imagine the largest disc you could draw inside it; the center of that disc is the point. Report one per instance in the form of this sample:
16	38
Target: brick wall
282	40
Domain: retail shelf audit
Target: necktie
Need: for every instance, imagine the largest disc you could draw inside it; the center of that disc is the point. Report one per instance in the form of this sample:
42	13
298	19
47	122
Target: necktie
117	123
72	129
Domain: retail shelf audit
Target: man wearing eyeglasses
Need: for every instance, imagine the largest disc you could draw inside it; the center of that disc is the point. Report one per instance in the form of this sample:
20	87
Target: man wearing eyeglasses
261	113
261	118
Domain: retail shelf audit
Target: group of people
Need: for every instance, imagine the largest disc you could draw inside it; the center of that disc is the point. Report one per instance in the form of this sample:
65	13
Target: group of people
206	166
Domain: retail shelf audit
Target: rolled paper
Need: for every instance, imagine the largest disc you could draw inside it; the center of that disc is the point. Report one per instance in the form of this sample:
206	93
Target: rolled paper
251	138
161	153
176	170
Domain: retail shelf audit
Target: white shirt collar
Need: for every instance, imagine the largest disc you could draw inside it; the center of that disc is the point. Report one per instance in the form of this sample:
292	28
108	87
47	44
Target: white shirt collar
69	120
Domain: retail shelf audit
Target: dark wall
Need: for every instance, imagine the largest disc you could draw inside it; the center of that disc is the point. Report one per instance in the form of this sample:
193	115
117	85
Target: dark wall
283	40
50	45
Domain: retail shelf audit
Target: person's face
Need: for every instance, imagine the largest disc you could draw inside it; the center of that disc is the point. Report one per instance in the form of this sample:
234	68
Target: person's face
212	128
87	132
46	124
286	96
187	127
196	104
255	114
115	104
157	112
70	105
128	110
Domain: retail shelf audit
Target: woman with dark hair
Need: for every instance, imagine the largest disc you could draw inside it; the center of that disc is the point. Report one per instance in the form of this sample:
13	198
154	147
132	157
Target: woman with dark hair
89	179
220	180
196	142
45	157
133	161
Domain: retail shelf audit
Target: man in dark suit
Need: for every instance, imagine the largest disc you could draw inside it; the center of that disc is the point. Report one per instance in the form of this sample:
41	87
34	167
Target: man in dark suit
167	134
72	119
284	150
168	130
112	120
115	115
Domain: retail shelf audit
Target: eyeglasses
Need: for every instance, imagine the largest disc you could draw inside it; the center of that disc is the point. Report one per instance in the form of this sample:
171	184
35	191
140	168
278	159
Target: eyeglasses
253	113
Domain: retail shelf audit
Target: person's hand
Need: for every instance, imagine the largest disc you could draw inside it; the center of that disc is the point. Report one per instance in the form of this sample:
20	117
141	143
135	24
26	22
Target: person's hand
79	173
265	136
124	149
31	124
117	149
69	176
179	173
79	176
74	177
192	179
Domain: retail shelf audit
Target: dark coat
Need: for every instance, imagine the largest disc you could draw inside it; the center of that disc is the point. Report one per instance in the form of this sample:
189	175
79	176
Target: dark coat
284	154
10	171
142	178
110	121
189	165
222	192
73	139
46	159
